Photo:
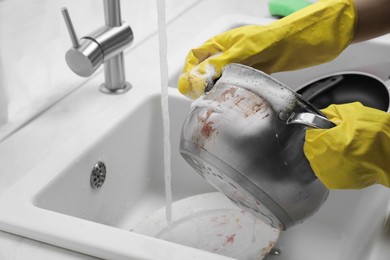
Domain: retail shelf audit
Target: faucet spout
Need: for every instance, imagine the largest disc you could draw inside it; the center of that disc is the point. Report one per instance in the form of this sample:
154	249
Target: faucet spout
103	46
112	12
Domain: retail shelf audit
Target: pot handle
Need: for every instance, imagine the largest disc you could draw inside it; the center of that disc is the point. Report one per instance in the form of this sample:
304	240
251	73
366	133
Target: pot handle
310	120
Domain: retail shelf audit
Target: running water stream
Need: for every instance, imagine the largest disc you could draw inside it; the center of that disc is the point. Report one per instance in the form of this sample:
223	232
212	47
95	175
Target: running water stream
162	35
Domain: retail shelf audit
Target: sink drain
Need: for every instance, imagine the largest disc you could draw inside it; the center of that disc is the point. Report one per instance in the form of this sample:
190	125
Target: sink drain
98	175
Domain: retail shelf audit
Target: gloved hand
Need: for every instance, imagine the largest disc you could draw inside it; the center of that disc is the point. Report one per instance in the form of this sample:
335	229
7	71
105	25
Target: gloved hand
313	35
355	153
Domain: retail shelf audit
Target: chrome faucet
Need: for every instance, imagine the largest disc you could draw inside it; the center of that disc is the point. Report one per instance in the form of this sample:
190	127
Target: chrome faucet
105	45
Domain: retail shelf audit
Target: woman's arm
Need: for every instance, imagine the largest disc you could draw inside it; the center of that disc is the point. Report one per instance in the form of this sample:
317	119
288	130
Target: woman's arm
373	19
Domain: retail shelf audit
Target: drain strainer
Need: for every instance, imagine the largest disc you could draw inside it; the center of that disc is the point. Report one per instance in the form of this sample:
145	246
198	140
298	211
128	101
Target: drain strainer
98	175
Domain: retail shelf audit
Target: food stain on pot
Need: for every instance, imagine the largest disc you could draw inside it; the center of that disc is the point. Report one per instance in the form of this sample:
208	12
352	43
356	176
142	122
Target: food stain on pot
247	102
237	103
229	239
255	108
229	92
205	128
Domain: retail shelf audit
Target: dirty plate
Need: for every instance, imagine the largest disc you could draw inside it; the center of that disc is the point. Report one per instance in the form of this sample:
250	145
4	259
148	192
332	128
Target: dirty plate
211	222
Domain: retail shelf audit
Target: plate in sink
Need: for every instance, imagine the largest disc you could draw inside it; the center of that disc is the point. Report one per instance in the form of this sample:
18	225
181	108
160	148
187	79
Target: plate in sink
211	222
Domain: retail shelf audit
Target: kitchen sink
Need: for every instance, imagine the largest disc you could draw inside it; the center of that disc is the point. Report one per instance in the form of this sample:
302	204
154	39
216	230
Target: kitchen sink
55	203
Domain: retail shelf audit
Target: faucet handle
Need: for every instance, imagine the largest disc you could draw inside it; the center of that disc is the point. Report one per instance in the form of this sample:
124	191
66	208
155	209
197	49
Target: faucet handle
86	56
69	25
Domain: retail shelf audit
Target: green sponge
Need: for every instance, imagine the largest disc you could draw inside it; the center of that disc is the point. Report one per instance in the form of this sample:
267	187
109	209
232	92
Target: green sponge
282	8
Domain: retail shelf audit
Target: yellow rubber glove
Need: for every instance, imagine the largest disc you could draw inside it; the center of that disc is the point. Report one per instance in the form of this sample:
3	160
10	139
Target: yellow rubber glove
355	153
313	35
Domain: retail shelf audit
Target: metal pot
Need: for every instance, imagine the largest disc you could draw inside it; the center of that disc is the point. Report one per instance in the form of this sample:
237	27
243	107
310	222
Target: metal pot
245	136
346	87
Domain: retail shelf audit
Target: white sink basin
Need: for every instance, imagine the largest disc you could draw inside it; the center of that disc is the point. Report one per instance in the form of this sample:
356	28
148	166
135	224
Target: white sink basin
55	203
133	154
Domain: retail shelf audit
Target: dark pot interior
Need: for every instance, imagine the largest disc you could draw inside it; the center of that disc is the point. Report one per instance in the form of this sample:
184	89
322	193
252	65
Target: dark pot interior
347	88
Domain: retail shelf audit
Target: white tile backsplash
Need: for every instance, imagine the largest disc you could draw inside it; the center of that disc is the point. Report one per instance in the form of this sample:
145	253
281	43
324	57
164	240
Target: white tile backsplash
34	39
